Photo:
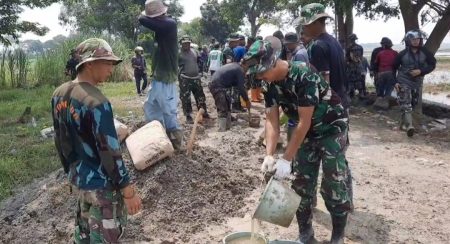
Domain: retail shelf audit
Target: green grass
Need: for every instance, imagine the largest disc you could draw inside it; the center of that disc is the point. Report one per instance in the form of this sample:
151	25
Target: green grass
24	154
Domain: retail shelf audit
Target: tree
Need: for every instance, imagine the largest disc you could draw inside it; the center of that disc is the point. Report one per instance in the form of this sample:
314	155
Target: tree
214	23
121	20
194	30
11	26
32	46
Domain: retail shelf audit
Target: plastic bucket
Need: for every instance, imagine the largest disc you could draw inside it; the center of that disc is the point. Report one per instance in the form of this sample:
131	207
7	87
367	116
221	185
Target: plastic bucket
254	121
244	237
278	204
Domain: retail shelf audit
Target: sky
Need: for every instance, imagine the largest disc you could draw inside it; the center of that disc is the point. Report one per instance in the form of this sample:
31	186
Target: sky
368	31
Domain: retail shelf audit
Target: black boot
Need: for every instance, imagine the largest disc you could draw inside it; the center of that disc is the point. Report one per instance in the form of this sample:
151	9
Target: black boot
339	223
189	119
306	231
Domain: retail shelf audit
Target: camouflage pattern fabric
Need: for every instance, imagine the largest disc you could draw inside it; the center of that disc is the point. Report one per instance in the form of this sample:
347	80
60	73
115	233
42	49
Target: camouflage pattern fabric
262	55
408	97
100	218
335	188
95	49
86	139
304	88
186	87
222	101
310	13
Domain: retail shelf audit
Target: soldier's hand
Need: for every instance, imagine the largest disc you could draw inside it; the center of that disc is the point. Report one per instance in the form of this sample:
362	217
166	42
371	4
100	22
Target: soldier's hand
132	200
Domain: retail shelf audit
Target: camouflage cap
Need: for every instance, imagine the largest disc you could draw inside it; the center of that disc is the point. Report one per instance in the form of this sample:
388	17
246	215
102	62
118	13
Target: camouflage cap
262	55
310	13
95	49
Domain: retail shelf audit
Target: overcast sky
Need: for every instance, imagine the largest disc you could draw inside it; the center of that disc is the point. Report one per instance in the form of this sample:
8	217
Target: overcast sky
367	31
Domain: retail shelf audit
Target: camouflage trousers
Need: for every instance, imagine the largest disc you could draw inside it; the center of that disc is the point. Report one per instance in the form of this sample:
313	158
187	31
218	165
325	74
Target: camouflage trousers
100	218
186	87
408	97
335	186
222	101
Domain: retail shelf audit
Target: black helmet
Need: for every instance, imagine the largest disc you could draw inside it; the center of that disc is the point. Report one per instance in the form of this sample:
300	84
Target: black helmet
386	42
278	34
353	37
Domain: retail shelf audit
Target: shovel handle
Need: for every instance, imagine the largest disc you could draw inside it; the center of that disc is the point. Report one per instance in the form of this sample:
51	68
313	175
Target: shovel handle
190	144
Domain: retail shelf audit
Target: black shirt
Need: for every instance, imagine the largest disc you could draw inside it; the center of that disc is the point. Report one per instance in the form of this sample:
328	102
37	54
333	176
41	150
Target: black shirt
328	55
228	76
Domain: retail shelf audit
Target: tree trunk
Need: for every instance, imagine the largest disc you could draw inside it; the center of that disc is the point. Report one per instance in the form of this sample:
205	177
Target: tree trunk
439	31
410	14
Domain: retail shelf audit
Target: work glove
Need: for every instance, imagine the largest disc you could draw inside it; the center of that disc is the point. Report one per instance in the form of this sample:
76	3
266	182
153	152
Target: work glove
283	169
267	165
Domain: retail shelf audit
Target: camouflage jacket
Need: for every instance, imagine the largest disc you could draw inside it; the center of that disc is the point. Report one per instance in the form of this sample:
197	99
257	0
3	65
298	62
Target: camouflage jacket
86	139
304	88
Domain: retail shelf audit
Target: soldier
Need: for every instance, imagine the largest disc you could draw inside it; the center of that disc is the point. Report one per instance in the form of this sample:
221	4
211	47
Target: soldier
190	79
320	134
296	50
140	70
226	77
354	67
71	64
162	103
412	64
89	150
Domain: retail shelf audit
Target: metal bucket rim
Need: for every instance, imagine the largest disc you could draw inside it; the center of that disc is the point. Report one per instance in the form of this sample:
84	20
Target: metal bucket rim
244	234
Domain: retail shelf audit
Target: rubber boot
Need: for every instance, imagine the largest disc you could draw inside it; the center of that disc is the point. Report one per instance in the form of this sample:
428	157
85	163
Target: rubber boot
228	122
222	124
189	119
176	137
403	123
409	126
306	235
338	233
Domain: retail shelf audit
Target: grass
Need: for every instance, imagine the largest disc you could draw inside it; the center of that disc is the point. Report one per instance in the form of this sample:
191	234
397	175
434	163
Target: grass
24	154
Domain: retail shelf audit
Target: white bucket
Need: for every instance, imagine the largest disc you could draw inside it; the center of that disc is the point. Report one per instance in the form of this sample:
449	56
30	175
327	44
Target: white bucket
278	204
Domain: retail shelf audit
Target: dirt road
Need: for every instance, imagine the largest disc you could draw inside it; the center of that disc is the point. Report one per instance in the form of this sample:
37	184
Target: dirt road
402	191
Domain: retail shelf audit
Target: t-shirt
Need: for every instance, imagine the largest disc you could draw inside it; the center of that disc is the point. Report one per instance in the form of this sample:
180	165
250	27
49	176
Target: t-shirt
385	60
86	139
227	76
305	88
327	55
188	62
215	60
239	53
300	54
140	66
165	55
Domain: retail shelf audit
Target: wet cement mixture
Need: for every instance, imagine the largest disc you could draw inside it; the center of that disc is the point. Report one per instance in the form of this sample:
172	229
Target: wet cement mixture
401	189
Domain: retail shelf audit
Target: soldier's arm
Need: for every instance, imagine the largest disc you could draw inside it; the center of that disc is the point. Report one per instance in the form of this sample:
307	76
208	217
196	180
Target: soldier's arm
431	61
158	24
108	145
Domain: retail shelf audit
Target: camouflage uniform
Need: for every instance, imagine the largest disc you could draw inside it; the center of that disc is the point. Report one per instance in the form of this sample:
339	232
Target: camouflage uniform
354	69
325	142
188	85
87	144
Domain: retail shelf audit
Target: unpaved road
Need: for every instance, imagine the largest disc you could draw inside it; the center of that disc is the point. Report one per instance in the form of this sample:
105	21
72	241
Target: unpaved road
402	191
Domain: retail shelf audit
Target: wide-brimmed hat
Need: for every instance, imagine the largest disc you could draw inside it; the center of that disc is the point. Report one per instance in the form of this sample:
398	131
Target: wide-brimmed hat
310	13
290	37
95	49
262	55
154	8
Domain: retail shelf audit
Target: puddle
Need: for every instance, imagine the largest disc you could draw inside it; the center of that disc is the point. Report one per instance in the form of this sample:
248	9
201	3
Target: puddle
442	98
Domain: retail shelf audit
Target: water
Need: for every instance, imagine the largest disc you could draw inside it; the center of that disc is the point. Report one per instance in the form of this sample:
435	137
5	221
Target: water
437	98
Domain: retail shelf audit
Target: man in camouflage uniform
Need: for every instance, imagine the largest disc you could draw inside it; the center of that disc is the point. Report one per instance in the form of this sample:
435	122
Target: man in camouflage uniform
89	150
354	66
320	134
412	64
190	79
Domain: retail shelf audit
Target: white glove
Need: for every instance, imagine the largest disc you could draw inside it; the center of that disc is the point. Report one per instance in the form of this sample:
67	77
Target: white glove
283	169
267	165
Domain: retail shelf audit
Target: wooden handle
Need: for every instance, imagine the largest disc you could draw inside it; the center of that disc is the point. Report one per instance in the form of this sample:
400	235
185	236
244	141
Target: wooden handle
194	131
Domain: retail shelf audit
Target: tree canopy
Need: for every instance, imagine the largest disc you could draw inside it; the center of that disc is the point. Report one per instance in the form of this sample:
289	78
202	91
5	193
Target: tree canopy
214	22
10	25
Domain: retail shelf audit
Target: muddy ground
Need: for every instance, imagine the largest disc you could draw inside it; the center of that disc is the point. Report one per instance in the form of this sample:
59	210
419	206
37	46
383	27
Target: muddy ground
402	189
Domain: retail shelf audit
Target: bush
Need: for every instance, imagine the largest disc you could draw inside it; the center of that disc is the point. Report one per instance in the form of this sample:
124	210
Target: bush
50	66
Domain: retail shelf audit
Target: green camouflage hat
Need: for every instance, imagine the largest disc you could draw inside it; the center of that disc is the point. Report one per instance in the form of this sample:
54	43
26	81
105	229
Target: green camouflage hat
310	13
262	55
95	49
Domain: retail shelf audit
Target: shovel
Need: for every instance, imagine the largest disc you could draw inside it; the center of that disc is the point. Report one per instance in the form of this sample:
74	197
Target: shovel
190	143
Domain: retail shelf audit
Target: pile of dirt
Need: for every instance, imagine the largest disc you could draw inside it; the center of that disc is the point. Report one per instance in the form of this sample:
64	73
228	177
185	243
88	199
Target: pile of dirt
182	196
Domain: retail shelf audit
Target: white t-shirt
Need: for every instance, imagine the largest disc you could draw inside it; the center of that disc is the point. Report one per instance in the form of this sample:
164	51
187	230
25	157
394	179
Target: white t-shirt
215	60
